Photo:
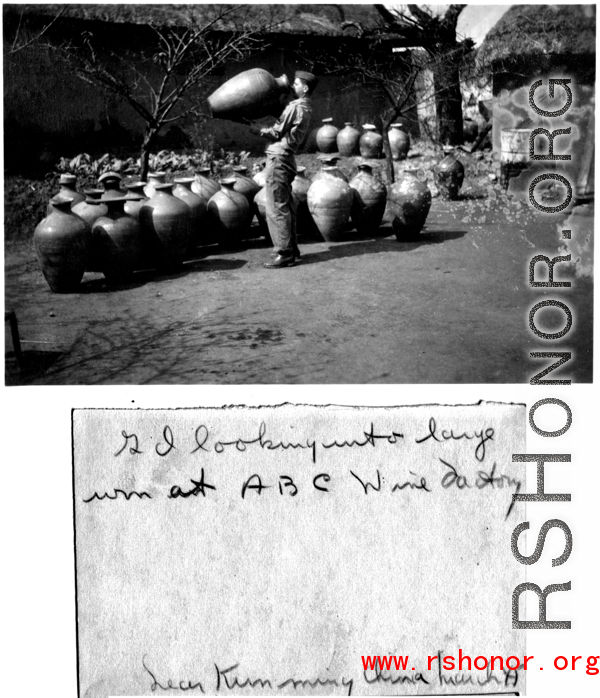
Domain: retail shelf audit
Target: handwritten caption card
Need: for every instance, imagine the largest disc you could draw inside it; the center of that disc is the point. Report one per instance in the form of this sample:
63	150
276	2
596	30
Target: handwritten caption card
270	550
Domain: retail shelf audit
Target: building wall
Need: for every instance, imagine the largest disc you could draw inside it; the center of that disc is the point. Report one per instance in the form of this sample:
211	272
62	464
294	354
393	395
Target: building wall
48	109
511	109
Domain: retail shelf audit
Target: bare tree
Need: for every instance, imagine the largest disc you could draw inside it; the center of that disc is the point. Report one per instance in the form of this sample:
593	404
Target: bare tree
437	35
23	38
164	82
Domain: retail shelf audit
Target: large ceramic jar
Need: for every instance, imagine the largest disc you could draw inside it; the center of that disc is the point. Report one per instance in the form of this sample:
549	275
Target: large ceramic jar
203	185
135	199
67	190
111	181
251	94
399	141
89	211
410	201
449	175
326	137
329	167
370	143
329	202
197	206
369	202
347	140
259	177
165	221
118	247
154	178
62	245
230	213
305	225
301	185
244	184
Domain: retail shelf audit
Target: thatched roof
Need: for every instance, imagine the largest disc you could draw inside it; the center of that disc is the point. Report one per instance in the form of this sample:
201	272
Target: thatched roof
541	30
316	20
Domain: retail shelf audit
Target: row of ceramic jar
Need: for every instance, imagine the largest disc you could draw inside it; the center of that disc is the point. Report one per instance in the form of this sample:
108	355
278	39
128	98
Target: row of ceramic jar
350	141
155	225
115	234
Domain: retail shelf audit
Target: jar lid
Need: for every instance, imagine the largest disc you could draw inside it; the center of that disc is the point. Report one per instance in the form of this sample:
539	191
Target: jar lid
61	200
240	168
300	169
184	180
203	170
157	174
226	181
136	185
328	120
67	178
369	127
110	175
164	186
93	193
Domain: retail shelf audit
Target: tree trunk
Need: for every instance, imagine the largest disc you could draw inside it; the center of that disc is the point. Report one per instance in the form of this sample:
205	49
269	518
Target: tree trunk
147	143
386	123
448	100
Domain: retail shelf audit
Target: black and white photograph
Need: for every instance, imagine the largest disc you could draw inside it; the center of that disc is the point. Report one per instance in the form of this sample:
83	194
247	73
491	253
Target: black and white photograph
299	350
314	194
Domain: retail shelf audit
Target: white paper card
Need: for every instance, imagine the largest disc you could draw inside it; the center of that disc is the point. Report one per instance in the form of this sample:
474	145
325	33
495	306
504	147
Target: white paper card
271	550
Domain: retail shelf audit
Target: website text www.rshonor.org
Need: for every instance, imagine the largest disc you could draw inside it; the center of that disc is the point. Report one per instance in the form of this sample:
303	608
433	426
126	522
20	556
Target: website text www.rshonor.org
464	662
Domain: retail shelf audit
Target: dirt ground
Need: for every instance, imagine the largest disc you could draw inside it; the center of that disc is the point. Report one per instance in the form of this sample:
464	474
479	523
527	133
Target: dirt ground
450	308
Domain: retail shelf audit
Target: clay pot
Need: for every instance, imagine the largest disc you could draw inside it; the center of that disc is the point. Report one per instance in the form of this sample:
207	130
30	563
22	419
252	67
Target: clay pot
89	211
260	178
251	94
310	142
329	202
244	184
118	242
410	201
370	143
470	130
230	213
135	199
62	244
197	206
326	137
203	185
111	181
67	190
449	175
301	184
347	140
154	178
329	168
399	142
165	221
369	202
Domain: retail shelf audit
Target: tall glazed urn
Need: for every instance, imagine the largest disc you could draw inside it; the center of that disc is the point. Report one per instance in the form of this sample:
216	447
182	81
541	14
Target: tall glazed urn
111	181
67	190
154	178
198	208
305	225
250	95
347	140
230	213
118	242
329	167
329	202
399	141
245	184
327	137
203	185
89	211
370	197
449	175
370	143
165	222
62	245
135	199
410	201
